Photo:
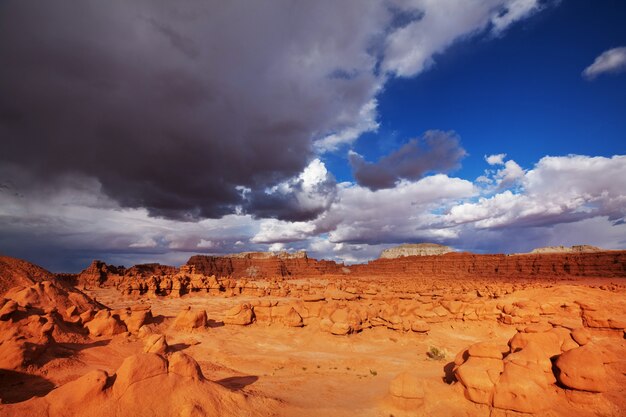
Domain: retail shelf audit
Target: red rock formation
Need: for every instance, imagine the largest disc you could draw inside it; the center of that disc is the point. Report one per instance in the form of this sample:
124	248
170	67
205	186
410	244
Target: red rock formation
163	280
147	270
260	265
99	273
16	272
462	265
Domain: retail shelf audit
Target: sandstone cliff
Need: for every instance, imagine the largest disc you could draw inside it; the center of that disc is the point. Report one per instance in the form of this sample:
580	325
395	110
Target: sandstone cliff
419	249
565	249
263	265
99	272
453	265
461	265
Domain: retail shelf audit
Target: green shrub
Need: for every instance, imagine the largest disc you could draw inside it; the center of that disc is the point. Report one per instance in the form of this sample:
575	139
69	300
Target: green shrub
436	354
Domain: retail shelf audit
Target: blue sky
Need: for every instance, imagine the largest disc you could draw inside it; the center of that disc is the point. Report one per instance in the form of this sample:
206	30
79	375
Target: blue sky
148	132
520	93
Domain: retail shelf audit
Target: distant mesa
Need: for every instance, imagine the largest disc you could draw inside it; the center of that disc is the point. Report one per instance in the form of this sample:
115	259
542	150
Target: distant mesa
417	249
268	255
566	249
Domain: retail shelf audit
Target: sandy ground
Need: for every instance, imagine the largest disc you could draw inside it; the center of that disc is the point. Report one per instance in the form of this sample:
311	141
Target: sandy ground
317	373
309	372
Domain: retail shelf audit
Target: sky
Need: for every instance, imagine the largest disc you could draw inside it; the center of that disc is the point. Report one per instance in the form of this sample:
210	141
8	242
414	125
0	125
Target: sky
149	131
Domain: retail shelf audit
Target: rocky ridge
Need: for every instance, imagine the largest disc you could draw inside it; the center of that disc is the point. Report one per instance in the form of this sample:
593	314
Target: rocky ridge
566	249
419	249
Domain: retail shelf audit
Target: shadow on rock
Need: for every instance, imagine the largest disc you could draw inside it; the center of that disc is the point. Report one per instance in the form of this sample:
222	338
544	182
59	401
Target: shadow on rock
238	382
448	371
16	387
66	350
176	347
212	323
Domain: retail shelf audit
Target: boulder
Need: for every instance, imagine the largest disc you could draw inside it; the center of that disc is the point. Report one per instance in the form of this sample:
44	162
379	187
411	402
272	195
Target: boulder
486	350
105	324
293	319
184	365
134	319
340	328
582	369
155	343
189	319
420	326
241	315
479	376
526	382
549	342
138	368
23	342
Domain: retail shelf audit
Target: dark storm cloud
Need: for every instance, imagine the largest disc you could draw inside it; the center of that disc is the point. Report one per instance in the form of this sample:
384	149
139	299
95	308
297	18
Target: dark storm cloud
290	206
172	105
436	151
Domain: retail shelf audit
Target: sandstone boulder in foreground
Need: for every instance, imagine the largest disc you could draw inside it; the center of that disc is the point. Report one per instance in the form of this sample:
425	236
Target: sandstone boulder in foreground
146	384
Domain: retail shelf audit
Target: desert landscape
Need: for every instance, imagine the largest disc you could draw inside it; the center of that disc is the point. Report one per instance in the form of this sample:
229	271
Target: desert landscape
286	208
422	331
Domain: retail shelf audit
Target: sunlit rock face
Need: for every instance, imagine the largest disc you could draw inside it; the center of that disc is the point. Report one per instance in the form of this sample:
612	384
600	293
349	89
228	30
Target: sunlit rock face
419	249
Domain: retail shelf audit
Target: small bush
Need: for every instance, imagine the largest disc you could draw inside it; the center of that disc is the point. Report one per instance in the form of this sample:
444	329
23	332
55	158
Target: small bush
436	354
374	373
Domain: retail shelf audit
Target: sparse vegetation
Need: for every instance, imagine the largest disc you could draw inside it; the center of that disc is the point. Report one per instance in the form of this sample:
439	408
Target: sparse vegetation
436	354
374	373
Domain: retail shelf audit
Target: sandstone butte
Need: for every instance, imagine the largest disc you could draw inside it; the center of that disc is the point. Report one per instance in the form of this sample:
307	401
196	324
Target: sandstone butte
421	331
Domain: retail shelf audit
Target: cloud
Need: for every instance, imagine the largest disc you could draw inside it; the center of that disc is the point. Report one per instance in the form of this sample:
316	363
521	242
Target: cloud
278	231
411	48
177	107
146	242
320	247
609	62
513	11
123	120
509	175
497	159
206	244
435	151
300	198
394	215
560	200
365	122
64	231
557	190
277	247
171	107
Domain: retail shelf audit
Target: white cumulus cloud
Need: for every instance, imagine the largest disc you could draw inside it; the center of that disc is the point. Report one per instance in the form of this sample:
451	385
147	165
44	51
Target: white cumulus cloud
497	159
611	61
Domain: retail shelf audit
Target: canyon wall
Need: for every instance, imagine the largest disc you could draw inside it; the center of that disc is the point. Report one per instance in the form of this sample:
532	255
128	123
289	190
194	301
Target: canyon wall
454	265
259	265
419	249
465	265
449	265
